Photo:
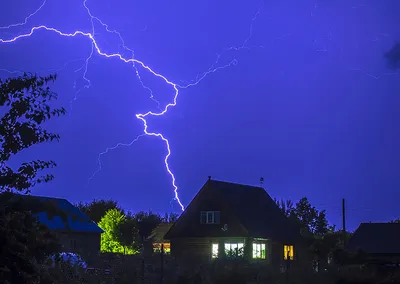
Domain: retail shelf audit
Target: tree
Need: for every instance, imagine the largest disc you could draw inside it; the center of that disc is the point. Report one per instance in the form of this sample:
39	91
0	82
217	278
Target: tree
111	223
96	209
316	230
26	105
312	219
170	217
144	223
306	215
286	207
127	232
25	244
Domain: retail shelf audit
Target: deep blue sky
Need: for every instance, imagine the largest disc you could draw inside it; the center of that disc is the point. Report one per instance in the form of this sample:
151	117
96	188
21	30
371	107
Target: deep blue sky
310	106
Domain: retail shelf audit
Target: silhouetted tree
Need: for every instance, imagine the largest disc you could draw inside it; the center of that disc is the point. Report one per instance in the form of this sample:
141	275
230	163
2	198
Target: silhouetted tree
24	244
170	217
96	209
320	235
127	232
315	221
25	101
145	223
310	218
286	206
25	247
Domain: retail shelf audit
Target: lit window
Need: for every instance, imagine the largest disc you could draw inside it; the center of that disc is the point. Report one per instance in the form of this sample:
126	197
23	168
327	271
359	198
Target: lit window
259	250
158	246
209	217
234	249
288	252
214	251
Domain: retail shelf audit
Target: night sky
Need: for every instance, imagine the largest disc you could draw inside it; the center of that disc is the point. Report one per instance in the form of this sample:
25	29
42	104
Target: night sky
311	104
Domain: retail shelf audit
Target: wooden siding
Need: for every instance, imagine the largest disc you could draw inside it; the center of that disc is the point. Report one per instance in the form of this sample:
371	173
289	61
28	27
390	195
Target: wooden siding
202	247
81	243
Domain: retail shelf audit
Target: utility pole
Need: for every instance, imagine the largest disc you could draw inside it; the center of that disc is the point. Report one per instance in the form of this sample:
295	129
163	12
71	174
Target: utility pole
344	221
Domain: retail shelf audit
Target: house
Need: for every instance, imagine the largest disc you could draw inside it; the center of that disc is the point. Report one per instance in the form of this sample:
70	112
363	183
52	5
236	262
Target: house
75	231
157	239
376	242
227	220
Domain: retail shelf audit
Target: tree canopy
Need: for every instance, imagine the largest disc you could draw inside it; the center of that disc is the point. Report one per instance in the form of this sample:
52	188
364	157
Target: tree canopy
25	244
25	102
111	223
309	217
96	209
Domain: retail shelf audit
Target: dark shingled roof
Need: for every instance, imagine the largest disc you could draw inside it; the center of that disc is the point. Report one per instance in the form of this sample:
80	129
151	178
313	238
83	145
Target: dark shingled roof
255	209
376	238
59	214
159	232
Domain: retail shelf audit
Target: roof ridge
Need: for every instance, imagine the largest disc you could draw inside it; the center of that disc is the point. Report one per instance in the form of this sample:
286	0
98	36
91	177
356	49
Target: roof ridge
42	196
236	183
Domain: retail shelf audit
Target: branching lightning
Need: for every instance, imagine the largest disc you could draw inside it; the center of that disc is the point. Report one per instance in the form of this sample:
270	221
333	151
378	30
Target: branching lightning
135	63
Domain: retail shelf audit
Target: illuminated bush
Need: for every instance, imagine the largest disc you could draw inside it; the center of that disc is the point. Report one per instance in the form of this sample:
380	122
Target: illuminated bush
110	223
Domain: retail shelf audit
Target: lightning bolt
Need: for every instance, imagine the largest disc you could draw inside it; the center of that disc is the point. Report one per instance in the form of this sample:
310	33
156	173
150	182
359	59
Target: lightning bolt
135	63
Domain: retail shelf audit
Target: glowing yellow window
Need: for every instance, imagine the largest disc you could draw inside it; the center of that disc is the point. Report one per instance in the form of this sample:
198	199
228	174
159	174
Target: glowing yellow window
288	252
158	246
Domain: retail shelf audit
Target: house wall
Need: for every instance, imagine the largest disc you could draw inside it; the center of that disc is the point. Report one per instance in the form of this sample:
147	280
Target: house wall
80	242
186	247
277	255
202	247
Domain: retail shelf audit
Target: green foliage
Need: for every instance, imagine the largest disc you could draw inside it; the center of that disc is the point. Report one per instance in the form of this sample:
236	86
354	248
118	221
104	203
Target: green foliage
144	223
127	232
111	223
25	245
25	101
96	209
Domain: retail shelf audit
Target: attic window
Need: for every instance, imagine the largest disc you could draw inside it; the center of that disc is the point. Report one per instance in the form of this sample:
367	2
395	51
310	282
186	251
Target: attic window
209	217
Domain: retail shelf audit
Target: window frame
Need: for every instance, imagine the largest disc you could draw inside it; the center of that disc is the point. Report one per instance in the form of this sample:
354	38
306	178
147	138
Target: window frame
210	217
158	245
288	252
214	250
238	248
258	248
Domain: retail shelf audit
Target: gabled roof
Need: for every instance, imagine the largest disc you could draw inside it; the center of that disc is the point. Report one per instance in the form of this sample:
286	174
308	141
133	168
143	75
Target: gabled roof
255	209
376	238
58	214
159	232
